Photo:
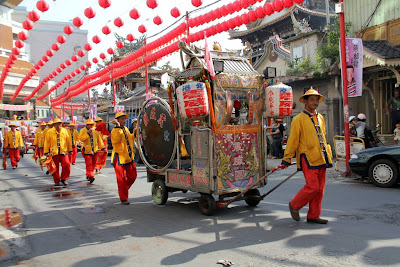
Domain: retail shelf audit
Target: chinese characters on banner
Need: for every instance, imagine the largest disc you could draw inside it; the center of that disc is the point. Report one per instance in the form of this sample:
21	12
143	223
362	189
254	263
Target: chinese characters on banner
354	63
93	111
192	100
119	108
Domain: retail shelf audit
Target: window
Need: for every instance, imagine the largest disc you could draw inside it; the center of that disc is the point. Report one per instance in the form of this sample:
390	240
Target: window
297	53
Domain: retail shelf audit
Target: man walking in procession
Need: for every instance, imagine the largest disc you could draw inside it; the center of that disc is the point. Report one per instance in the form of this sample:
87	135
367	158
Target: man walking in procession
58	144
12	144
39	140
91	144
104	137
73	134
123	156
313	154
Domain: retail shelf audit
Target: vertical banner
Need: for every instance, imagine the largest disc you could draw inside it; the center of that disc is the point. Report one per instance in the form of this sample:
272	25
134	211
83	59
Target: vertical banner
119	108
93	111
354	66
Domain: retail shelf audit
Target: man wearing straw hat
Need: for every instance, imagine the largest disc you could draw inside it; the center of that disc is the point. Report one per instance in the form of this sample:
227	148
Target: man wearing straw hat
39	140
91	144
73	134
100	129
49	126
313	154
123	156
12	144
58	144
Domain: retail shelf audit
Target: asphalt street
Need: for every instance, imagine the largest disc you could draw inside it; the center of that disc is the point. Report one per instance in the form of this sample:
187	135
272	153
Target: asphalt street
85	225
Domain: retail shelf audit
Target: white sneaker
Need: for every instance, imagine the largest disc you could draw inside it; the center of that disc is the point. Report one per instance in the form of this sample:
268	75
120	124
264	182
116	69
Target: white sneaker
14	167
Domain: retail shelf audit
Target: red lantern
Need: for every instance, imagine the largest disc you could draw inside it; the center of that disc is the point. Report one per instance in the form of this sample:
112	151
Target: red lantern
27	24
175	12
120	44
152	4
197	3
231	24
238	21
74	58
110	51
55	47
105	3
49	53
95	60
15	51
244	18
88	64
73	74
89	13
19	44
68	62
45	58
83	67
269	9
260	12
22	36
87	47
33	15
231	8
252	15
68	30
102	56
59	70
81	53
298	1
13	57
63	66
118	22
77	22
278	6
106	30
142	28
61	39
78	70
130	37
54	73
157	20
244	4
237	104
40	63
287	3
42	5
224	11
236	6
134	14
96	39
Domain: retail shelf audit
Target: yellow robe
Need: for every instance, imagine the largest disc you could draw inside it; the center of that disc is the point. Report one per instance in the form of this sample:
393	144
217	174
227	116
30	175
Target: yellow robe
75	134
39	138
13	140
86	145
120	147
50	143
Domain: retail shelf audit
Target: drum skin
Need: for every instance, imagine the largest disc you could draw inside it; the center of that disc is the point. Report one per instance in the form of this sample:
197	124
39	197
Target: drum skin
157	134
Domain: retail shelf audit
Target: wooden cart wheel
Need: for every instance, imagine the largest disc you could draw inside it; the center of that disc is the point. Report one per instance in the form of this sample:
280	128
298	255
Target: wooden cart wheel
159	192
207	204
252	197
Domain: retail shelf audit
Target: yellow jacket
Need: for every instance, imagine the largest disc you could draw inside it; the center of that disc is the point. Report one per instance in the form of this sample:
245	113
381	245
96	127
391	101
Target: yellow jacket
75	136
120	147
50	142
39	138
303	141
13	140
86	144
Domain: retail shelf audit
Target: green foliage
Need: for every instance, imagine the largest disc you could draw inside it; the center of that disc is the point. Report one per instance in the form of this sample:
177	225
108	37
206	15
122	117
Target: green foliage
299	65
330	49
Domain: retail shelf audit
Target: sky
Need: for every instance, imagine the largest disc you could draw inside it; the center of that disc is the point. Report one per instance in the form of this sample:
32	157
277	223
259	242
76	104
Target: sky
68	9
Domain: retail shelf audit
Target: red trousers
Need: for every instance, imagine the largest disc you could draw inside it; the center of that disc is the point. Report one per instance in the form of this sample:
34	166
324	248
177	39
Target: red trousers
72	156
40	152
90	162
126	176
66	168
312	193
14	155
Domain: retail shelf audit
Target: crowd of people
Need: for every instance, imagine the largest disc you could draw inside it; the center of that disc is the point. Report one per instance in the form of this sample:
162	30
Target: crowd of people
56	147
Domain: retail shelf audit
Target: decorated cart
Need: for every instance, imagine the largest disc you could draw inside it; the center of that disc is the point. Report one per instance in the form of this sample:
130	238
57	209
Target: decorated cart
209	137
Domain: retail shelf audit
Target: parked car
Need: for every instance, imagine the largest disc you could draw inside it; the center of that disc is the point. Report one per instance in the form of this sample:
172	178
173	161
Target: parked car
379	164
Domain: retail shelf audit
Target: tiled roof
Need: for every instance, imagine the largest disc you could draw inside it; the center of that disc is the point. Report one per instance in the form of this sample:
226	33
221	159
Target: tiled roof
383	49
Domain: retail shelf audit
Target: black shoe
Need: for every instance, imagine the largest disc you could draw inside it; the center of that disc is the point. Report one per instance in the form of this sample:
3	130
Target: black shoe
294	213
57	184
64	182
125	202
318	220
73	163
47	172
91	180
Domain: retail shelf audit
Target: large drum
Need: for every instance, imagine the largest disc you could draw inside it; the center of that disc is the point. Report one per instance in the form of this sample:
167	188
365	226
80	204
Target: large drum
279	100
157	134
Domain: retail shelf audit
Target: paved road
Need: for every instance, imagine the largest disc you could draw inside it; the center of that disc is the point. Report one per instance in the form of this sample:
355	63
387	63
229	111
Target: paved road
91	228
